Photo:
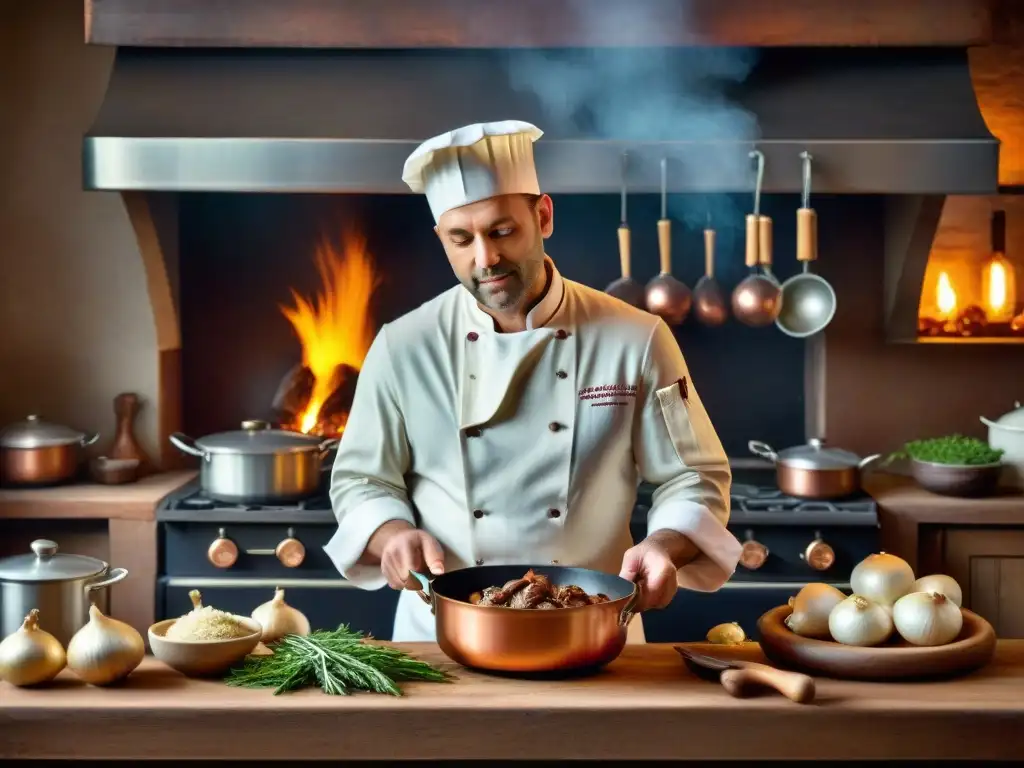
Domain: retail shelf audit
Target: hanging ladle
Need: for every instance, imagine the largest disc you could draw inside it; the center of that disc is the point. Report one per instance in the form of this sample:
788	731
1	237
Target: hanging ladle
625	288
808	300
709	304
757	300
667	297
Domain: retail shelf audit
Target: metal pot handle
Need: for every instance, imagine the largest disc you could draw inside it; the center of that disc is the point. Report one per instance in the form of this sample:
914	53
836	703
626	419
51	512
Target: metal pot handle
628	610
424	592
90	439
327	446
186	444
763	450
868	460
115	575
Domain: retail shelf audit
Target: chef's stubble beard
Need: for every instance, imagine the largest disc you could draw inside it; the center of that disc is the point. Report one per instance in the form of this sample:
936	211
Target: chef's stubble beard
524	275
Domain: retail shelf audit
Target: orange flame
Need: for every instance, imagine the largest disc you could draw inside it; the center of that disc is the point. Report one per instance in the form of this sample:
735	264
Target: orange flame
945	295
336	327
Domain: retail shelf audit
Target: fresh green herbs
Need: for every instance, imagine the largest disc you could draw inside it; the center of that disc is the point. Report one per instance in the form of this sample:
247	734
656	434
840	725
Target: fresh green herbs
953	449
338	662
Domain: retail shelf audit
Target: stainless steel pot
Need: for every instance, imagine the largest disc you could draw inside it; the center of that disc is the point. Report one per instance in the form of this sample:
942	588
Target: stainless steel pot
257	464
36	452
62	587
814	471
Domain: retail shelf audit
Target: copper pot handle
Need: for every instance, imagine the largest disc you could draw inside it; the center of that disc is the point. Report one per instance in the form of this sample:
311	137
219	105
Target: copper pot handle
327	446
763	450
90	439
426	595
628	610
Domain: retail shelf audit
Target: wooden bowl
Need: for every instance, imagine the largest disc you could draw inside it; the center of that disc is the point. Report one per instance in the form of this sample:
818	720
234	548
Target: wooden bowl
202	658
894	660
963	480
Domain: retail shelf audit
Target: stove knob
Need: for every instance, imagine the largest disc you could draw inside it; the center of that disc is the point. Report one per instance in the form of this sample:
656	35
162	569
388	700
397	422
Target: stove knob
290	552
819	555
223	552
754	554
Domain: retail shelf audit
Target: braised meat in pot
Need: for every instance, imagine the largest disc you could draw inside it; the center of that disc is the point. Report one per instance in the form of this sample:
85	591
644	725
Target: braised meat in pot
535	591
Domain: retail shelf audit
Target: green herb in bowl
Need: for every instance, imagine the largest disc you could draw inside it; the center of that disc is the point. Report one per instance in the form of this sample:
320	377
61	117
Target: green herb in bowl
954	465
956	450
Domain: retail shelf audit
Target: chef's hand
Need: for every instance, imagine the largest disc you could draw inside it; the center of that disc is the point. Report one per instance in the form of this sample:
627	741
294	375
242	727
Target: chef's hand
410	549
649	564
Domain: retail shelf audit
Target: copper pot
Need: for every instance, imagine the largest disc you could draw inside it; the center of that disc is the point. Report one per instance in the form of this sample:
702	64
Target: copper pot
814	471
524	640
36	452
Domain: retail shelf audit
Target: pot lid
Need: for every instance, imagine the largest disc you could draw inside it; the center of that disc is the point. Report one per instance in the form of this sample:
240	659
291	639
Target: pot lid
1013	419
33	432
816	455
258	437
45	564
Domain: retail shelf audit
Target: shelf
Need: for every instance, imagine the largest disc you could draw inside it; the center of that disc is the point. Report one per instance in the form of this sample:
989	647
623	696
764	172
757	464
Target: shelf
899	495
132	501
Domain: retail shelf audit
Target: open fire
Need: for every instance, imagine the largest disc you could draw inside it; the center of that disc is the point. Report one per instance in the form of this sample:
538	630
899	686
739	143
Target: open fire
335	330
964	298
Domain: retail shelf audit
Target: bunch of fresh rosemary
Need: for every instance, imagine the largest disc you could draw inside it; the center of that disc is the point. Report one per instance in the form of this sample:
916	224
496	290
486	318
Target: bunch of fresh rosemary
339	662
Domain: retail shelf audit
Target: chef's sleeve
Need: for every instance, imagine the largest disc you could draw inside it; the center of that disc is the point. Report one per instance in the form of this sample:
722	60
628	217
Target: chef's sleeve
368	477
678	450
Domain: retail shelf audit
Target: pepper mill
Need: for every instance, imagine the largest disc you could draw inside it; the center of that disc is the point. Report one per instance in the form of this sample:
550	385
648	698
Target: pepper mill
126	409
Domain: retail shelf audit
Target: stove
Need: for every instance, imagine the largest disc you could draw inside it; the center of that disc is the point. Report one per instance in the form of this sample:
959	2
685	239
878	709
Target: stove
236	554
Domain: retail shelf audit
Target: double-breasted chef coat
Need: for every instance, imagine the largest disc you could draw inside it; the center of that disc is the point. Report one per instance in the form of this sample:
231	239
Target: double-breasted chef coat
529	446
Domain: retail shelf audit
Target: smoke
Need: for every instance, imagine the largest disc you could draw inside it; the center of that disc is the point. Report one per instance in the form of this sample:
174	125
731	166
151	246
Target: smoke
646	94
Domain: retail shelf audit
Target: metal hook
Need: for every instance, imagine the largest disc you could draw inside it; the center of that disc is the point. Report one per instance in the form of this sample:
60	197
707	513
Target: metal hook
625	167
759	156
806	198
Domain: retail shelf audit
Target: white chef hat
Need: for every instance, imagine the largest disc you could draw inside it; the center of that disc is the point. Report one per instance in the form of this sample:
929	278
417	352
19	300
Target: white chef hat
473	163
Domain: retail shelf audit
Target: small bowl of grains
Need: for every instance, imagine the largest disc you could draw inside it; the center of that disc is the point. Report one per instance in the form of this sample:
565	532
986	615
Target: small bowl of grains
205	642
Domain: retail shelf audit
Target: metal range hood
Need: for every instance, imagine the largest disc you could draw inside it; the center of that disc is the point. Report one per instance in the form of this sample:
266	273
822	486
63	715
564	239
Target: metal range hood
877	121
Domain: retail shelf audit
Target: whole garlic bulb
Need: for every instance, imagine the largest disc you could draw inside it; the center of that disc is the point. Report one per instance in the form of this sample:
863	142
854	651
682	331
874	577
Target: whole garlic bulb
811	608
279	619
927	618
105	650
30	655
859	621
944	585
882	578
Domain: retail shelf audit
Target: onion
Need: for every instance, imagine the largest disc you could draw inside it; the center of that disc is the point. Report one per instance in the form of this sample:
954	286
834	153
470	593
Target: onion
726	634
927	618
30	655
944	585
105	650
811	608
279	619
859	621
882	578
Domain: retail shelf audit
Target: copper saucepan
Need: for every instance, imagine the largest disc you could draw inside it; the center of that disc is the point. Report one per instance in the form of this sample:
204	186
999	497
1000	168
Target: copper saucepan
529	640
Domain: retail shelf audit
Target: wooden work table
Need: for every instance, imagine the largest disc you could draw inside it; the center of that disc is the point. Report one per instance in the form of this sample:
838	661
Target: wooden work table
645	705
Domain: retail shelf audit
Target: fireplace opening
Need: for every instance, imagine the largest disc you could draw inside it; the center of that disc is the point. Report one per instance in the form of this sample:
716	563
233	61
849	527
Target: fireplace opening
970	289
334	329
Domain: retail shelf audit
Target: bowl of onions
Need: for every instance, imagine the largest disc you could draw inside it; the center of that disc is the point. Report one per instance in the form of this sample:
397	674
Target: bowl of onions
893	625
205	642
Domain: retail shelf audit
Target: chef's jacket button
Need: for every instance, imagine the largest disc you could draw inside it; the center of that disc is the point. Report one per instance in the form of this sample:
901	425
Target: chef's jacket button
479	562
472	335
554	513
478	513
473	432
561	374
560	334
554	426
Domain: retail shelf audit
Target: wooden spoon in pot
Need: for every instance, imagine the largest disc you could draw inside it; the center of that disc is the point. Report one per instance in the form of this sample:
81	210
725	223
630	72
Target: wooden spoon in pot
626	288
667	297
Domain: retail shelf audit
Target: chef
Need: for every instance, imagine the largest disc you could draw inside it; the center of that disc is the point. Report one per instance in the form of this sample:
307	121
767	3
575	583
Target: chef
511	419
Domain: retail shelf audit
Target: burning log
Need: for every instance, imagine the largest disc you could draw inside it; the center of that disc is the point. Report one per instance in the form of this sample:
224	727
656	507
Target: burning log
293	394
292	400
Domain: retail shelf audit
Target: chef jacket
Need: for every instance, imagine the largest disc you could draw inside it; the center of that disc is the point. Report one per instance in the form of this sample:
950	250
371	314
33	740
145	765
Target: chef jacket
528	447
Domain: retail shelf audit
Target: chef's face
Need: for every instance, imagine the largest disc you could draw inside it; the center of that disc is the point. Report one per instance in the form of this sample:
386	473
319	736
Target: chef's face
496	247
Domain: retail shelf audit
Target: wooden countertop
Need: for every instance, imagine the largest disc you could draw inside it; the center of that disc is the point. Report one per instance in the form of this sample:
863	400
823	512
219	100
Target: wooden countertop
131	501
900	495
645	705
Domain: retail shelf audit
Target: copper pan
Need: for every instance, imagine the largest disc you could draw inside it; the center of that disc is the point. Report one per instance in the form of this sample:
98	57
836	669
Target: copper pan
524	640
